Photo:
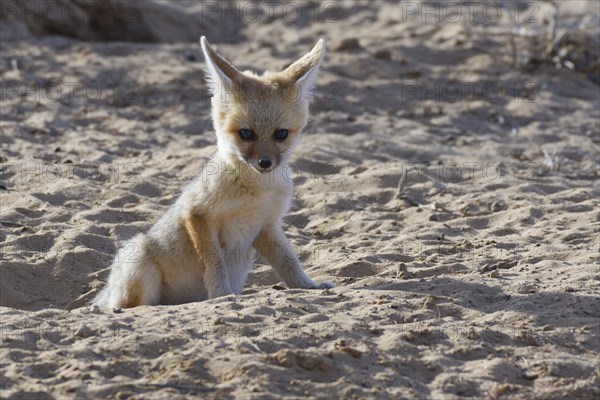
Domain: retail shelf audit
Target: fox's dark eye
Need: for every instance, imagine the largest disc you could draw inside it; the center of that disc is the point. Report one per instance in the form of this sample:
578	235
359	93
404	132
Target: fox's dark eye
281	134
246	134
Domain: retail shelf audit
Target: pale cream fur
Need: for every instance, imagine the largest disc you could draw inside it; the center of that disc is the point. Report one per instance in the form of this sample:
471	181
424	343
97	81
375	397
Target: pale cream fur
205	245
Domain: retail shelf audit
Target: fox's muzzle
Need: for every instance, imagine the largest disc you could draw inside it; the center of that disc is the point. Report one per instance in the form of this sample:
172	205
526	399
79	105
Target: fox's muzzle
265	163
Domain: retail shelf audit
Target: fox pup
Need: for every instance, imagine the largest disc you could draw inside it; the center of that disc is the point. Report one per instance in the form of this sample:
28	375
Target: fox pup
205	244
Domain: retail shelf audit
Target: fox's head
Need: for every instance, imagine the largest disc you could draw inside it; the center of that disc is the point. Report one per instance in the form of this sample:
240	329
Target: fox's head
259	119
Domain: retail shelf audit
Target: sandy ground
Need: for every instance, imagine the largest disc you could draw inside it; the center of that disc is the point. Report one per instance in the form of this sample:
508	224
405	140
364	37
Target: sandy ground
451	196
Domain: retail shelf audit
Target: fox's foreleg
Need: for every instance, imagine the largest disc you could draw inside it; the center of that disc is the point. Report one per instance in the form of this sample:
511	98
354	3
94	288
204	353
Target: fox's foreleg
208	250
273	245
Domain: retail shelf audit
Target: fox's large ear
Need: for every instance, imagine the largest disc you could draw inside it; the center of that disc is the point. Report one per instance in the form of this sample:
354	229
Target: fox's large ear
218	70
304	71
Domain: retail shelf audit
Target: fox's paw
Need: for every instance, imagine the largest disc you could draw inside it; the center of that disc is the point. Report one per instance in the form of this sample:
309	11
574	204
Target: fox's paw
325	285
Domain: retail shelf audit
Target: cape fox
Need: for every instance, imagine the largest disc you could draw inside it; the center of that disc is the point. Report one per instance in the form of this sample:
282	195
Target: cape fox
205	244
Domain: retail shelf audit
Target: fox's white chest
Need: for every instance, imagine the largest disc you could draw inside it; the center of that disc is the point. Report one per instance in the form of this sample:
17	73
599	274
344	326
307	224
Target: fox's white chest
239	226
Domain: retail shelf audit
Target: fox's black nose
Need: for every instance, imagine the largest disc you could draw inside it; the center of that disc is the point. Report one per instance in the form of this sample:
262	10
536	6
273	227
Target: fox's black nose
264	163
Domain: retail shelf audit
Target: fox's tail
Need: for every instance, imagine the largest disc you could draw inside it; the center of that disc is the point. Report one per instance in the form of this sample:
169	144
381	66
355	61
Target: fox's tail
101	299
134	278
